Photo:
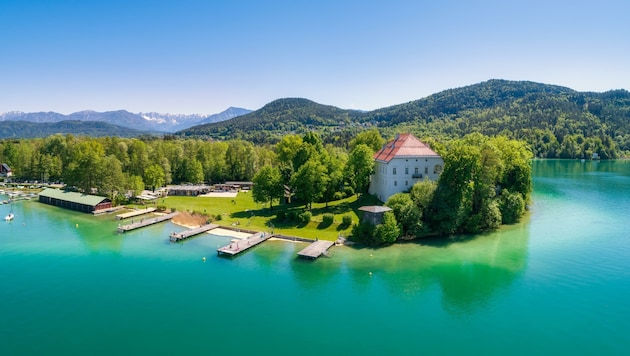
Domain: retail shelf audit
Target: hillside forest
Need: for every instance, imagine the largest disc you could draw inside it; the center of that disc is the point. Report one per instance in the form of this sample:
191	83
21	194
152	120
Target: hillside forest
556	122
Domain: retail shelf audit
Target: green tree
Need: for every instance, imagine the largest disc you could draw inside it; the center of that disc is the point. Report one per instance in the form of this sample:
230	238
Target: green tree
310	182
512	207
407	213
388	231
359	168
267	185
135	184
154	176
371	138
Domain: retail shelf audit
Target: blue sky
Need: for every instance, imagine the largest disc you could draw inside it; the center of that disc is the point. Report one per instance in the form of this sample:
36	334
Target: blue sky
193	56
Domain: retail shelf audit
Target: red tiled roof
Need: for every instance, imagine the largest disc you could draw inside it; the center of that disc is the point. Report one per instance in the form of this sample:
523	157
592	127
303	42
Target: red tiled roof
405	145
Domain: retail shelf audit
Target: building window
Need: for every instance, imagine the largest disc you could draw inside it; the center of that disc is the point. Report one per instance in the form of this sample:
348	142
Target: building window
406	170
406	183
437	169
395	183
394	171
426	170
415	171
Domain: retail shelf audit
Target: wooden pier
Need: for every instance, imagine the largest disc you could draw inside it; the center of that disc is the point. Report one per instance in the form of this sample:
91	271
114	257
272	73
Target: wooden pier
178	236
146	222
134	213
316	249
236	247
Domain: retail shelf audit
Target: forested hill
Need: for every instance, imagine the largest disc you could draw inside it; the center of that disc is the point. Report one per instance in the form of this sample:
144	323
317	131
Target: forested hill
27	129
556	121
282	116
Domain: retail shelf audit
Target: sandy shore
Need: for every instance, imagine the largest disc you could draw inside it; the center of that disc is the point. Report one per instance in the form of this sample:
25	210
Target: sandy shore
225	232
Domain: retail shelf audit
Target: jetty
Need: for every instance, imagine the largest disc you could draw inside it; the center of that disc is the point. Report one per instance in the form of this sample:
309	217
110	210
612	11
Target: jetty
316	249
134	213
178	236
236	247
146	222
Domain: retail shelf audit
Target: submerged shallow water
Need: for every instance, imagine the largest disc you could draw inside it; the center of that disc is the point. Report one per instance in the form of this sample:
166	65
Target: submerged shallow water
555	283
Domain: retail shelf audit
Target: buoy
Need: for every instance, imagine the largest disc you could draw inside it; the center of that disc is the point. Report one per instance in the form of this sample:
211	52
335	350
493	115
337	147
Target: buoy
370	274
77	225
203	259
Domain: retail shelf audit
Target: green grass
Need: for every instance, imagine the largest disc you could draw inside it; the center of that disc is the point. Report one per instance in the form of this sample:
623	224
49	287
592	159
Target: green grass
243	211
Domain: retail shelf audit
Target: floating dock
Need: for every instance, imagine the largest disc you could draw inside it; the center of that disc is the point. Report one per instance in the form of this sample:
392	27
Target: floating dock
236	247
146	222
178	236
316	249
134	213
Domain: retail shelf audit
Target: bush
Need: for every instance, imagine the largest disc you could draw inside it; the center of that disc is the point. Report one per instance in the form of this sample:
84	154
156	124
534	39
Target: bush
348	191
292	215
328	219
218	217
347	220
305	217
512	207
281	215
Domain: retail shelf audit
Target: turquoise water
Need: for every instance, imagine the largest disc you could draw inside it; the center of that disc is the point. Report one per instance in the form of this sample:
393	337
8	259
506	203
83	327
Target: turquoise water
557	283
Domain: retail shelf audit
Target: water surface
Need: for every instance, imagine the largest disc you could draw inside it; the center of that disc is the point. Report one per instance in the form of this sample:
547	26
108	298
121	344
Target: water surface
555	283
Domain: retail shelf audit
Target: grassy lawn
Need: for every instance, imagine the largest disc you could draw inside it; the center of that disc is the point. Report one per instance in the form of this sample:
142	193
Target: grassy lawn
243	211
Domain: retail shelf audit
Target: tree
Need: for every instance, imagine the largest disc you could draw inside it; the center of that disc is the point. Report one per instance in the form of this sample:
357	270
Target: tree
193	171
359	168
512	207
388	231
310	182
110	178
267	185
154	176
135	184
407	213
240	159
371	138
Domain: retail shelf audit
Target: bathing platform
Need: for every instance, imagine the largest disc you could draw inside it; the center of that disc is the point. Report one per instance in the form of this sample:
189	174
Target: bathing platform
316	249
178	236
146	222
134	213
236	247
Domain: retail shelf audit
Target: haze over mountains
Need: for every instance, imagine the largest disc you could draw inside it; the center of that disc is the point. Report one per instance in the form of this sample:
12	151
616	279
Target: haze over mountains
118	123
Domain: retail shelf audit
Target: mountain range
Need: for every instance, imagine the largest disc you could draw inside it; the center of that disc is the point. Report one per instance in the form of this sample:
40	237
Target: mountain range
556	121
118	123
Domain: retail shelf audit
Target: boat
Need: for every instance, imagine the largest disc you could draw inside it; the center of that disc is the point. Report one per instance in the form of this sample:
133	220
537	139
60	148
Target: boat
9	217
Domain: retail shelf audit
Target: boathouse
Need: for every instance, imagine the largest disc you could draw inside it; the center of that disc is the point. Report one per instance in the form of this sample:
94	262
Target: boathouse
74	201
374	213
5	170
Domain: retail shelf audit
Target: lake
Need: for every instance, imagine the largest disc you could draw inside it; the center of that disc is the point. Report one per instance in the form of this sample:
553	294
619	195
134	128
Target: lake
556	283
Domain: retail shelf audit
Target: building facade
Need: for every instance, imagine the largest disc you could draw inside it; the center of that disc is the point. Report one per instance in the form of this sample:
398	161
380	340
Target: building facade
401	163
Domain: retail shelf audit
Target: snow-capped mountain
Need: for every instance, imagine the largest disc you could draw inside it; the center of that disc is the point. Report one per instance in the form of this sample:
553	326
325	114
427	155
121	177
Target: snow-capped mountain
143	121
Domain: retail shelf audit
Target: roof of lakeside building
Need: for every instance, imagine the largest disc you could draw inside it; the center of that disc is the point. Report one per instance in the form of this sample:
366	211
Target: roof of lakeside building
375	208
73	197
404	145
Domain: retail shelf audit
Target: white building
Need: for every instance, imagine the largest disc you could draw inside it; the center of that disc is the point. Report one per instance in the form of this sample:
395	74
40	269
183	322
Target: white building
401	163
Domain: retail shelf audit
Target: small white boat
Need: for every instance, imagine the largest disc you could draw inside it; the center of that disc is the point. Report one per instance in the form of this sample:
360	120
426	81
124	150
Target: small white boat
9	217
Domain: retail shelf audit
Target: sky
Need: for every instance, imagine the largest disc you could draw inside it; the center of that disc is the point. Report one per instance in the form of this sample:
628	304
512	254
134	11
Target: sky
203	56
